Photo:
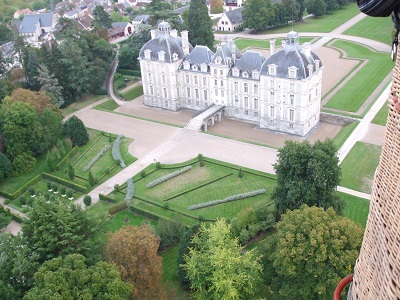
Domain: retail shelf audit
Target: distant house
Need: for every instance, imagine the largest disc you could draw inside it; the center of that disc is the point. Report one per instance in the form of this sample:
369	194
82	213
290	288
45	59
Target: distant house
141	19
119	29
85	21
33	26
25	11
233	3
231	20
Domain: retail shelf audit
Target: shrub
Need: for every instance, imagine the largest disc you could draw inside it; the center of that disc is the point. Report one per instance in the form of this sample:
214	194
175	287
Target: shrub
65	182
168	176
29	201
240	173
143	174
7	201
91	179
228	199
117	208
63	190
107	171
158	165
71	172
47	195
96	158
166	205
22	200
170	233
32	191
110	138
49	185
116	187
69	193
55	188
75	130
52	159
23	164
97	92
116	151
87	200
6	166
130	190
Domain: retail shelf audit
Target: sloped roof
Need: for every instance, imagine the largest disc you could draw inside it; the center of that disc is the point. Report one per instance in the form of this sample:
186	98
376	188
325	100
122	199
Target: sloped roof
200	55
250	61
29	22
224	52
235	15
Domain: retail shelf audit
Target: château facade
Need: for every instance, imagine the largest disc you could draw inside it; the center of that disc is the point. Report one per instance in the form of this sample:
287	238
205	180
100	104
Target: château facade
280	93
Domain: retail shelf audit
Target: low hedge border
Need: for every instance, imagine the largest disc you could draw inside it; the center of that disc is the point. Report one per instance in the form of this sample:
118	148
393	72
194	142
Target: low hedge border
88	149
168	176
66	158
182	164
145	213
17	218
104	174
135	73
65	182
197	187
22	189
96	158
107	199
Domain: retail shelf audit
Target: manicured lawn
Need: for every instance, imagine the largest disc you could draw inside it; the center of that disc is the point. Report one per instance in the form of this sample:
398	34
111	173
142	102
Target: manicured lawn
325	23
128	81
381	116
358	168
133	93
264	44
108	105
379	29
81	103
344	133
356	208
360	87
170	275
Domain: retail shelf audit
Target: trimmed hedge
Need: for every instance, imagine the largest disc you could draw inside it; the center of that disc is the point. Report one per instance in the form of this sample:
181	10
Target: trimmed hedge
107	199
135	73
130	190
87	150
168	177
66	158
145	214
116	151
22	189
96	158
65	182
116	208
17	218
228	199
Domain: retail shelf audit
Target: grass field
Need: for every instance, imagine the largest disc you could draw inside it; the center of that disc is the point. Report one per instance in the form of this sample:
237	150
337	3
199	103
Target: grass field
378	29
357	90
264	44
325	23
381	116
81	103
133	93
356	208
344	133
363	158
108	105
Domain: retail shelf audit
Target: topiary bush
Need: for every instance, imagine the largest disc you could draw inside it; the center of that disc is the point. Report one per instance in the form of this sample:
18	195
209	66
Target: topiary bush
70	194
49	186
63	191
55	188
87	200
143	174
32	191
240	173
91	179
75	130
71	172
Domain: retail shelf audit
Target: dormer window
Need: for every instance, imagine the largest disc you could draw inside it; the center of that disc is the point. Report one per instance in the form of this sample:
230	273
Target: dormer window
203	68
256	75
310	69
147	54
194	68
245	74
174	57
235	72
161	56
186	65
218	60
292	72
317	64
272	70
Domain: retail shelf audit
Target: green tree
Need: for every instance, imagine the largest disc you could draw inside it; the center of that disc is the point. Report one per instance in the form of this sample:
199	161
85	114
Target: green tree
307	174
6	35
300	9
217	268
331	5
170	233
91	179
291	8
58	229
71	278
281	14
87	200
216	6
23	163
316	7
258	14
311	251
138	262
18	263
70	171
50	84
101	18
76	131
130	50
5	217
200	25
5	166
52	124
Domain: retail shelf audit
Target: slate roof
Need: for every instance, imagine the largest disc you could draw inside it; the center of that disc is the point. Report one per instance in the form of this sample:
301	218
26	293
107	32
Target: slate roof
225	52
235	15
141	18
28	24
291	55
200	55
250	61
7	49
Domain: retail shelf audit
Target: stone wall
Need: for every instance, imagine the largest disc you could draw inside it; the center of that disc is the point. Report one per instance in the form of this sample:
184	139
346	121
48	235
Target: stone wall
336	119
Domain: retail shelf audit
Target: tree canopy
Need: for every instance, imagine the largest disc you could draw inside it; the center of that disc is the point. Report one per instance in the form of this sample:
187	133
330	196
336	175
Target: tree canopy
200	25
258	14
101	18
5	216
307	174
76	131
71	278
216	266
134	251
311	251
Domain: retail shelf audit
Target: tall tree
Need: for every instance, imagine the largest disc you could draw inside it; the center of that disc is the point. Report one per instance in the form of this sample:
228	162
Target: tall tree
134	251
307	174
5	216
18	263
217	268
300	9
331	5
258	14
316	7
291	8
101	18
38	100
50	84
58	229
311	251
6	35
76	131
200	25
71	278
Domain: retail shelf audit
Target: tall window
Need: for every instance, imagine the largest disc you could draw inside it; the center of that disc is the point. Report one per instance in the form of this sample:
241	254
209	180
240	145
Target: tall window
222	93
236	100
165	92
292	86
246	102
222	83
195	80
221	72
163	79
205	95
197	93
216	82
246	87
256	89
204	81
149	76
292	73
187	78
271	84
151	90
291	115
256	103
216	92
291	99
236	84
215	71
272	112
188	92
272	97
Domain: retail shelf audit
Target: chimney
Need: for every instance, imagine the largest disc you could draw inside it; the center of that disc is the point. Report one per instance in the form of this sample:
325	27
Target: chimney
173	33
272	46
233	50
185	42
283	44
153	33
307	49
